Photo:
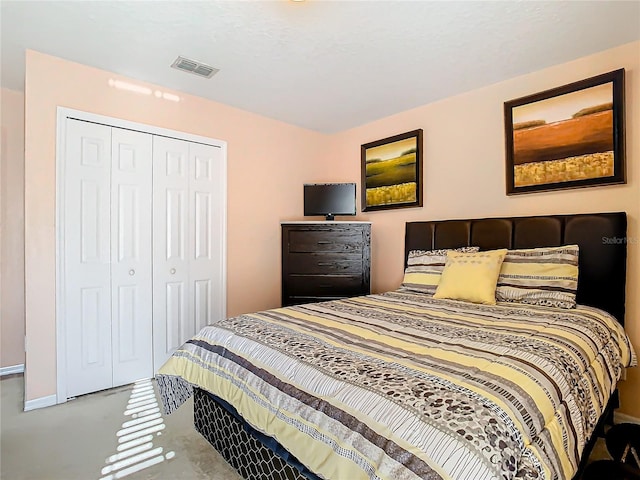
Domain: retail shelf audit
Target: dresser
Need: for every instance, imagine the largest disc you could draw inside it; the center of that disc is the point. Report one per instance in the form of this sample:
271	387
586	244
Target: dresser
325	261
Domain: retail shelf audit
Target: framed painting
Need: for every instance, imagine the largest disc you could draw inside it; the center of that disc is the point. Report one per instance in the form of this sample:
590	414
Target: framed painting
392	172
567	137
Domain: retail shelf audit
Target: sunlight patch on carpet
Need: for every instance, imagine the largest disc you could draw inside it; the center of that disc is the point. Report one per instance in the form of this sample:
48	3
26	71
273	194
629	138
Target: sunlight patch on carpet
136	450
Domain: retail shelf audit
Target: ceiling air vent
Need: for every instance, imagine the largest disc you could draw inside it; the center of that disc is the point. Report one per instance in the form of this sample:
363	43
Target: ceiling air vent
197	68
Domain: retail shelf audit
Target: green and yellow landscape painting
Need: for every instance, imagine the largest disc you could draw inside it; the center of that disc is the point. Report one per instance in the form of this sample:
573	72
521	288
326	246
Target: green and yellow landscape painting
391	173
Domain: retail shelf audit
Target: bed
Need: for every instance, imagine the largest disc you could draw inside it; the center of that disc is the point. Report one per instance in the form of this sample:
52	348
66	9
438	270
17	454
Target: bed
402	385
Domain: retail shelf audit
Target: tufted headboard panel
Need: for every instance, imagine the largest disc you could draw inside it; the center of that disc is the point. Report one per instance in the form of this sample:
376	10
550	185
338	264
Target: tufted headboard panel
600	236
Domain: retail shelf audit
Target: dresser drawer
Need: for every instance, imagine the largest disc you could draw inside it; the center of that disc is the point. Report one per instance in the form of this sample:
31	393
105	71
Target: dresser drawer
325	285
328	263
305	241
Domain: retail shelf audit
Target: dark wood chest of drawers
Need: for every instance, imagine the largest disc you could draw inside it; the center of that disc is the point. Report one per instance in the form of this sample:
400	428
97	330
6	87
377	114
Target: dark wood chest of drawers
325	261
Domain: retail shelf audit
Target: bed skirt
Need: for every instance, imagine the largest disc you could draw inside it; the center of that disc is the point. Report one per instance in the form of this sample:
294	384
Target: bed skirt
253	455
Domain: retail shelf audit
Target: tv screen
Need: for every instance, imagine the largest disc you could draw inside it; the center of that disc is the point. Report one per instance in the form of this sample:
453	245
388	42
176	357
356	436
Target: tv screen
329	199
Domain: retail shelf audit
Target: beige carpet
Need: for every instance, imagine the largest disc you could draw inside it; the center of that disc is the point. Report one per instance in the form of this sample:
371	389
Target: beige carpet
73	441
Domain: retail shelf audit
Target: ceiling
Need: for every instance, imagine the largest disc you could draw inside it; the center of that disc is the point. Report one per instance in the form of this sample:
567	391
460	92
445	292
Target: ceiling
323	65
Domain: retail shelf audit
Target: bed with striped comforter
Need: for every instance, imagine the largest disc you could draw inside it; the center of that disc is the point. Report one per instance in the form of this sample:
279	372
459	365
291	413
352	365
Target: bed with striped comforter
403	386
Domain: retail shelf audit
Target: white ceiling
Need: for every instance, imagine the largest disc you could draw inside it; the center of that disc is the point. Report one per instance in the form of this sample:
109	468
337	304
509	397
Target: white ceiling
323	65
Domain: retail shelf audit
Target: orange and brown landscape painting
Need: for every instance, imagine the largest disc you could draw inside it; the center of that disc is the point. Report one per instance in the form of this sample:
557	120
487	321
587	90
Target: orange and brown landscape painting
564	138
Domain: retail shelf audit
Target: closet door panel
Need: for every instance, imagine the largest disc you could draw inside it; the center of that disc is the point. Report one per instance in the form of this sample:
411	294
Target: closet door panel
202	303
86	265
131	276
172	322
176	313
205	240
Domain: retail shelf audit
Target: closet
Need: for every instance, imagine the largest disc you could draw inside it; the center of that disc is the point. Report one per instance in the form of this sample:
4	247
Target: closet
141	250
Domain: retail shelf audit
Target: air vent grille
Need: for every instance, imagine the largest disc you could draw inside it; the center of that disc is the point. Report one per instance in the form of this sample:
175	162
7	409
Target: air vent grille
204	70
197	68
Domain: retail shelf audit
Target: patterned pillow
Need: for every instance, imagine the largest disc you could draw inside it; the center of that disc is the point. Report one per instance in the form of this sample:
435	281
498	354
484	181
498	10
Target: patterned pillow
471	277
540	276
424	268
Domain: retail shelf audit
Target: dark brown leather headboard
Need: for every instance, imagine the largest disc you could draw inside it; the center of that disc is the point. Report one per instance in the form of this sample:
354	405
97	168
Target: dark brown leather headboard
600	236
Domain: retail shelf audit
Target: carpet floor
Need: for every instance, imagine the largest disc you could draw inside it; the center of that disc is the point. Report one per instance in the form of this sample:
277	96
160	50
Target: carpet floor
83	439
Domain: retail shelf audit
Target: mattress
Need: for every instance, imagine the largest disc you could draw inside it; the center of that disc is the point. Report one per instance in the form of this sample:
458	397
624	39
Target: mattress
403	386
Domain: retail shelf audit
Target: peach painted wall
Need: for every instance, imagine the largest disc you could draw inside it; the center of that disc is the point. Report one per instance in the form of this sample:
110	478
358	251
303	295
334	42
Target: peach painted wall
464	173
268	161
12	229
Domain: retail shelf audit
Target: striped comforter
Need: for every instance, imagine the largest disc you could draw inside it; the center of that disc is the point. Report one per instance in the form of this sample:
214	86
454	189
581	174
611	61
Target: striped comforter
402	386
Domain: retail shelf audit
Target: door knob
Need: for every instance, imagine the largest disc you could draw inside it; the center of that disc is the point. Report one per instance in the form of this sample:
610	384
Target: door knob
132	272
172	271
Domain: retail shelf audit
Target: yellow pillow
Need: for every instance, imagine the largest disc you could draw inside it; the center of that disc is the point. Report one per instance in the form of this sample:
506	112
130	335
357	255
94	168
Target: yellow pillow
471	276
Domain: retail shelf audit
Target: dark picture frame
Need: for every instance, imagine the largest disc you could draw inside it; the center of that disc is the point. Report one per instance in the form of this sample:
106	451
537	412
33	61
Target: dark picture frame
567	137
392	172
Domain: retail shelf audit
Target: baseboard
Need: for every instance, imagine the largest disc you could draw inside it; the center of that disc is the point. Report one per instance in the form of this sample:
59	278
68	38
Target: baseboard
624	418
10	370
41	402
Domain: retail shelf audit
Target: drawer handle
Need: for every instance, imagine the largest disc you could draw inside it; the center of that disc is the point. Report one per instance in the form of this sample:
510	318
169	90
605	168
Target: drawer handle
325	264
323	242
326	286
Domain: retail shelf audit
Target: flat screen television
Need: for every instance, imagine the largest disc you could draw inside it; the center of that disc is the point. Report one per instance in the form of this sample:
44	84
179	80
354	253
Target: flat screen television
329	199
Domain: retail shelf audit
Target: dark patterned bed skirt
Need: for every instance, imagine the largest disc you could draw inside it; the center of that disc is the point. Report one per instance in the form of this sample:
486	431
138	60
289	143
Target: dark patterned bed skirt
244	448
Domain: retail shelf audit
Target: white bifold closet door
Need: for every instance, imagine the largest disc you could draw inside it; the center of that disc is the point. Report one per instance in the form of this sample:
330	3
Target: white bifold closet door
131	269
187	232
107	256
